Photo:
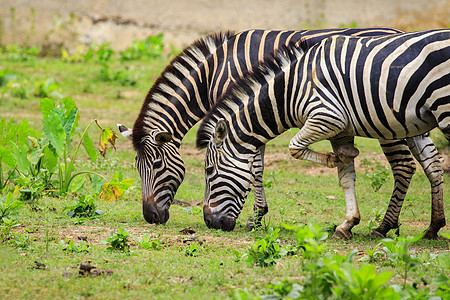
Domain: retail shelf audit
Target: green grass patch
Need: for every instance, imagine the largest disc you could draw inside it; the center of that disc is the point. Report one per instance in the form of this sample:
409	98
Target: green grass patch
165	262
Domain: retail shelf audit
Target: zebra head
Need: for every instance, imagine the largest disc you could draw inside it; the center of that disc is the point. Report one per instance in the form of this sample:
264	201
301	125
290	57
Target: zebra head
161	168
228	177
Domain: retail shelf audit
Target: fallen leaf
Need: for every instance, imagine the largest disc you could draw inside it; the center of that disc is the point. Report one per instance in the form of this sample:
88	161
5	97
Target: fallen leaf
303	202
331	197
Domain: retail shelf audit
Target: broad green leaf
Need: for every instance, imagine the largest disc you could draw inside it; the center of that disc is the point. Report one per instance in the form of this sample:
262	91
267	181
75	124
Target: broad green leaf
50	160
77	183
20	155
108	136
9	207
35	152
47	105
69	122
23	130
88	144
7	158
54	131
97	182
69	105
10	134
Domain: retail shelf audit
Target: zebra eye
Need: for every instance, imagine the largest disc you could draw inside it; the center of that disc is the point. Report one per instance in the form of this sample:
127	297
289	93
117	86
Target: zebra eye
157	162
209	170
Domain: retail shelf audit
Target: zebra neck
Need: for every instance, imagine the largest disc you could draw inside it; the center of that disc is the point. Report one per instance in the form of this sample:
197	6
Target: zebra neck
179	98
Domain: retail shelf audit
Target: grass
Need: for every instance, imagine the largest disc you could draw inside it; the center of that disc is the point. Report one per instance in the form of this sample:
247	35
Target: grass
299	193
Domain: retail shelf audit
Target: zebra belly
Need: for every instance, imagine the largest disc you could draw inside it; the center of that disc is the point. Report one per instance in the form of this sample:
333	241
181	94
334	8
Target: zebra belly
393	128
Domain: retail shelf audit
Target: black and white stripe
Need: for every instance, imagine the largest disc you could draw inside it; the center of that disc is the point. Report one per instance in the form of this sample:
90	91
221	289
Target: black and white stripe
386	88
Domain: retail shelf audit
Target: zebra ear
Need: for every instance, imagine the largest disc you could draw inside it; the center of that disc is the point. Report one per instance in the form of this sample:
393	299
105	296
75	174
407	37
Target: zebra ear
126	132
220	132
163	137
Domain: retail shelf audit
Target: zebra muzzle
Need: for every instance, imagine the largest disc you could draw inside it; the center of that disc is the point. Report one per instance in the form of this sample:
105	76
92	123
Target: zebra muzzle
217	221
154	214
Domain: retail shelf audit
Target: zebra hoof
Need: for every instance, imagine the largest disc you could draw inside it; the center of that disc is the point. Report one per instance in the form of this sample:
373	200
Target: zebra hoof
431	235
341	234
249	226
346	153
376	235
252	224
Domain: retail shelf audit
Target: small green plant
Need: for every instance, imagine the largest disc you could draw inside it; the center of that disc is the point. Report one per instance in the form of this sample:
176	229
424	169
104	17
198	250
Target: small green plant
151	47
375	172
15	52
237	255
191	250
309	238
17	159
362	283
47	88
22	241
399	254
9	207
147	243
103	52
284	289
84	208
80	54
372	254
5	229
373	223
442	281
59	125
18	88
70	246
266	251
117	242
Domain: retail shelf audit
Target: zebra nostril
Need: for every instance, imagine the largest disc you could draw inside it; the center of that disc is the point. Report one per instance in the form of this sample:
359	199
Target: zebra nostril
227	223
150	213
209	220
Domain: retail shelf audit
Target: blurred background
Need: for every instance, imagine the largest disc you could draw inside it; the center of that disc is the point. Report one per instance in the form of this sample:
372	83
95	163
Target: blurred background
52	24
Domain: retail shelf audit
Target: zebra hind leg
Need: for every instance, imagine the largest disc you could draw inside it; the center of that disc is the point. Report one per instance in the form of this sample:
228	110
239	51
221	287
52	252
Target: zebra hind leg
425	152
260	207
345	151
403	169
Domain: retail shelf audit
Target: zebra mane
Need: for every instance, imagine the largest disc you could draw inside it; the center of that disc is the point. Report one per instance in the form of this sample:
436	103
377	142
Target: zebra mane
192	54
238	92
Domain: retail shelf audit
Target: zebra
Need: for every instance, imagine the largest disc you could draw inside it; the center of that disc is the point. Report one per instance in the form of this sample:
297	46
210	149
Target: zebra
187	89
389	88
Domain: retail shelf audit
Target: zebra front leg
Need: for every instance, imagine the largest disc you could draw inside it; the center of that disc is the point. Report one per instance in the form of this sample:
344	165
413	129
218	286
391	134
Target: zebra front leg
347	179
260	206
426	154
343	160
403	168
308	134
